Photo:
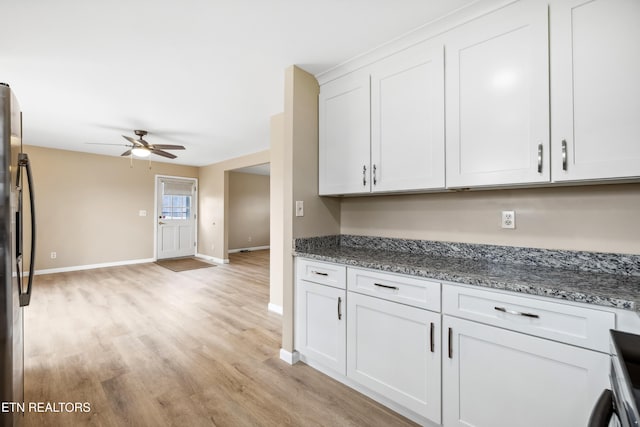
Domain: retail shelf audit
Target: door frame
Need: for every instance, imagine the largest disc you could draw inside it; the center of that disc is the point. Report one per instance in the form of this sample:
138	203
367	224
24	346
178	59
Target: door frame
155	211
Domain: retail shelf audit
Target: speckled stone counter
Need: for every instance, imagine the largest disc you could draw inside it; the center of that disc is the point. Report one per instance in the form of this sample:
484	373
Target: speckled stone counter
610	280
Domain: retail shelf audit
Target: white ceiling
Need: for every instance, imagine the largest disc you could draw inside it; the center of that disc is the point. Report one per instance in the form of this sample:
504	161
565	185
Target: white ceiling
207	74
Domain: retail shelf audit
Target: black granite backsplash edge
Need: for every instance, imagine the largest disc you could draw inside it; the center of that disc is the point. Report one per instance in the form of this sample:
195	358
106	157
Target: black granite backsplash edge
594	262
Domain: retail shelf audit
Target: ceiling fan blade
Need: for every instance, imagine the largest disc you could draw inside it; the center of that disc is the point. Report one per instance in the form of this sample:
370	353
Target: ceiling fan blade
168	147
131	140
126	153
163	154
105	143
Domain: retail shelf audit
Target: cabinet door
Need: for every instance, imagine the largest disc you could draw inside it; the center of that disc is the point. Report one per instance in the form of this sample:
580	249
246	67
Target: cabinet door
407	120
344	135
394	350
497	90
595	69
321	325
499	378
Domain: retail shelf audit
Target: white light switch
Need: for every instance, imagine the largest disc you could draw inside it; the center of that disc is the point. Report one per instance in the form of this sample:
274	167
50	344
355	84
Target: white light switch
142	213
299	208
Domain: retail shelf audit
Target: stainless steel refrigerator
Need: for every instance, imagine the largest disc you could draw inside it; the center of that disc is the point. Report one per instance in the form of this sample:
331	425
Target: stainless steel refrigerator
16	207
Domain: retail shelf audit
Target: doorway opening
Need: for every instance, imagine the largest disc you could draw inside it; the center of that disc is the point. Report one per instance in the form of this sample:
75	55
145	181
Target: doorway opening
248	209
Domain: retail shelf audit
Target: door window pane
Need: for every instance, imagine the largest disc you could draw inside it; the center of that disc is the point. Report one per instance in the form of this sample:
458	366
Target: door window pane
176	207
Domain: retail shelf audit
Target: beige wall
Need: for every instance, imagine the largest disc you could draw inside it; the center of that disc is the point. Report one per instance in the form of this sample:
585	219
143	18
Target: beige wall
87	206
300	177
603	218
214	203
277	222
248	210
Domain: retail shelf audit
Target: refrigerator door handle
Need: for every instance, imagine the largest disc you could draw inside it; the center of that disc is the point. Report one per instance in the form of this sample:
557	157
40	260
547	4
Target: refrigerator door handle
25	298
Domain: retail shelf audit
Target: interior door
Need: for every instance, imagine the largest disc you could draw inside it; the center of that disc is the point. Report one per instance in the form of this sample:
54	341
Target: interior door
176	217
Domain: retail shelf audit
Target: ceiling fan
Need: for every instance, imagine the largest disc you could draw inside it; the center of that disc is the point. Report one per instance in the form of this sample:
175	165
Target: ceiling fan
141	148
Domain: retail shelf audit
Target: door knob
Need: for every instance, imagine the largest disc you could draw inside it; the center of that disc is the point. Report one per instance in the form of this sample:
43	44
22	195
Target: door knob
161	223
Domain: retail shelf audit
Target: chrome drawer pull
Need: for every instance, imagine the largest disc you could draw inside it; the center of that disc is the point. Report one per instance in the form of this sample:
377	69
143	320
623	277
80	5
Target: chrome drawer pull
319	273
450	343
564	154
339	308
386	286
517	313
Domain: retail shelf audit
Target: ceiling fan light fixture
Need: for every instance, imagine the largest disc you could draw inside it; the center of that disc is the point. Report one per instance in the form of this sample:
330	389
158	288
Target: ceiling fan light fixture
140	152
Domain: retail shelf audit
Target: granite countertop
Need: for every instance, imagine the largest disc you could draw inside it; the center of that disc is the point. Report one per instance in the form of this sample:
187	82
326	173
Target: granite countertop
592	287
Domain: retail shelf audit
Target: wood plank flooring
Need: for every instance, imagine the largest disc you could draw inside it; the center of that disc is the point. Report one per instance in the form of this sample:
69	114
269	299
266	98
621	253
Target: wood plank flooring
146	346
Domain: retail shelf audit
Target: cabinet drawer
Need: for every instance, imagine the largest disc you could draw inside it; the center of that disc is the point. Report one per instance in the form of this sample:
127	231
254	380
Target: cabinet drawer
403	289
324	273
569	324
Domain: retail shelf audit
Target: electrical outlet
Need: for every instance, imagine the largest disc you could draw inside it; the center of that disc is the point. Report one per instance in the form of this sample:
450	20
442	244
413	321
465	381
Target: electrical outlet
249	239
508	219
54	255
299	208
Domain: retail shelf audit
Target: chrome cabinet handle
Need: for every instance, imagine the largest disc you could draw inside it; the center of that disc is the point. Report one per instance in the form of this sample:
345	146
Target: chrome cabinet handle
364	176
339	308
539	158
517	313
319	273
564	154
431	345
386	286
375	179
450	343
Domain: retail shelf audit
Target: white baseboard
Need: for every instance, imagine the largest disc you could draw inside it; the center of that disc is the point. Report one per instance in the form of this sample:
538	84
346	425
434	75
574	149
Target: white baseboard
290	358
253	248
274	308
92	266
214	259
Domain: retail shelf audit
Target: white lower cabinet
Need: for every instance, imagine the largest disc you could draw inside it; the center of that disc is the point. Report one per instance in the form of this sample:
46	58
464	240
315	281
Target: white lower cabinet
321	325
494	377
490	359
394	350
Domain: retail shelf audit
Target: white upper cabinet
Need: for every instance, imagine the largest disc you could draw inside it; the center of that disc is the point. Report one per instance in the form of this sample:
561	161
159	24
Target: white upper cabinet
535	92
407	120
595	89
497	92
344	135
387	137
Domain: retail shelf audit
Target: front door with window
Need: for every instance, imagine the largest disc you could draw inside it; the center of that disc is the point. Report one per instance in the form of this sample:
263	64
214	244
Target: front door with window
176	217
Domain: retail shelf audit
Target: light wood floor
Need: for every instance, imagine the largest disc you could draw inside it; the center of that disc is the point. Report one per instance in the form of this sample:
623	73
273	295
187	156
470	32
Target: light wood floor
149	347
